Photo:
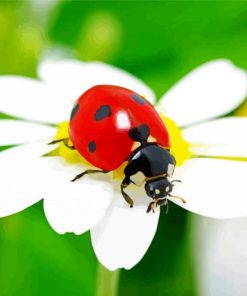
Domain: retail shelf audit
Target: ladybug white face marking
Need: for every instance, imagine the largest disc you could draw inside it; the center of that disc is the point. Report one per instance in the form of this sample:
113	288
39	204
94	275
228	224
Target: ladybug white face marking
170	169
138	178
123	121
102	112
167	189
157	191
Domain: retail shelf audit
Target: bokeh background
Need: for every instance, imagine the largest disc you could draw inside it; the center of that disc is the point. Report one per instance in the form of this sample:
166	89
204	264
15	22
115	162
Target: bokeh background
157	41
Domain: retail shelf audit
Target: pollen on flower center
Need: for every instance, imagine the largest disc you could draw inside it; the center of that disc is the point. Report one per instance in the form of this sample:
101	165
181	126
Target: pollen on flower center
179	147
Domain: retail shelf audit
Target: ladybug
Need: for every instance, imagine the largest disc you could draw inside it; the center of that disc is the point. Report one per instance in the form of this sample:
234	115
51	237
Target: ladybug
110	125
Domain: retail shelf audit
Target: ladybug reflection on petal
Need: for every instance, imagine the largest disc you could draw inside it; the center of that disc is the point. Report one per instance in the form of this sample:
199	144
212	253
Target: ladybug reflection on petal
110	125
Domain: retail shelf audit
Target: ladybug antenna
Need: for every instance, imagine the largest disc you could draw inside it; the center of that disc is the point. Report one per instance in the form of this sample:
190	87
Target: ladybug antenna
175	181
178	197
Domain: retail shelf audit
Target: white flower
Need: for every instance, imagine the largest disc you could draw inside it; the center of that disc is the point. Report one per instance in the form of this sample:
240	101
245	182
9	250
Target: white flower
120	235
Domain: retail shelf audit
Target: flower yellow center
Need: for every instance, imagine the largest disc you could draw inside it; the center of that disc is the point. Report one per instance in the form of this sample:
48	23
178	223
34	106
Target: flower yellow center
179	147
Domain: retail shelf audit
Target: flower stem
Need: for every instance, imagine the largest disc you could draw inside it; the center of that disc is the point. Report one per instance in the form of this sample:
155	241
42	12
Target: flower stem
107	281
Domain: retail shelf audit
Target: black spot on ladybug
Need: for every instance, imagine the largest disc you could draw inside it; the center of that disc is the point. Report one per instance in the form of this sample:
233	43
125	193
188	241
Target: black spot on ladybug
74	111
103	112
140	133
145	131
138	99
92	146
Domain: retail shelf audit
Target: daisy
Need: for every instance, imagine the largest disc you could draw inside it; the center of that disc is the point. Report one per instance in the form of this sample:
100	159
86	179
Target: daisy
222	261
208	153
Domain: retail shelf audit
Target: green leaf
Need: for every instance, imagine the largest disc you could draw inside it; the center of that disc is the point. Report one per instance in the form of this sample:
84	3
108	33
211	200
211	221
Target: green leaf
34	260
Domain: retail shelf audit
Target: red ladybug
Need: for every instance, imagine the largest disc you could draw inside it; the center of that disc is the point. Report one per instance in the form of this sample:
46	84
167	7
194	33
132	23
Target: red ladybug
110	125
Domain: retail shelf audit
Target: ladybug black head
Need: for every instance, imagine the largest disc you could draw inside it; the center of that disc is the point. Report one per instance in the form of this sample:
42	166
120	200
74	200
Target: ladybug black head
158	188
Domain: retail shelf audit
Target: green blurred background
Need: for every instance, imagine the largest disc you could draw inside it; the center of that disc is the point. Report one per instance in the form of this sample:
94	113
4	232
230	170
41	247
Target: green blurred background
157	41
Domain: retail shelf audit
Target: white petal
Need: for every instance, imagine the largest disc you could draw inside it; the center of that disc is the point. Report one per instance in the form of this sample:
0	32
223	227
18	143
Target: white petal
74	206
27	177
122	238
221	258
22	172
75	77
222	137
16	132
212	89
213	187
31	99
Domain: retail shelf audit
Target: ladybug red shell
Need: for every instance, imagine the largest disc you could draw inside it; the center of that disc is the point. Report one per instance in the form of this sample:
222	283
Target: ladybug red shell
102	120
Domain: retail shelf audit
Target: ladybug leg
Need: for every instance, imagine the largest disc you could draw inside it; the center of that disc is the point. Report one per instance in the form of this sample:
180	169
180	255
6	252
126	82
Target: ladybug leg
178	197
151	207
88	172
124	184
65	142
158	202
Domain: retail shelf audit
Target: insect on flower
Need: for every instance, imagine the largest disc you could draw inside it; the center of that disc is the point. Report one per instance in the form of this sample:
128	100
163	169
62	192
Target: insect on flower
209	148
110	125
